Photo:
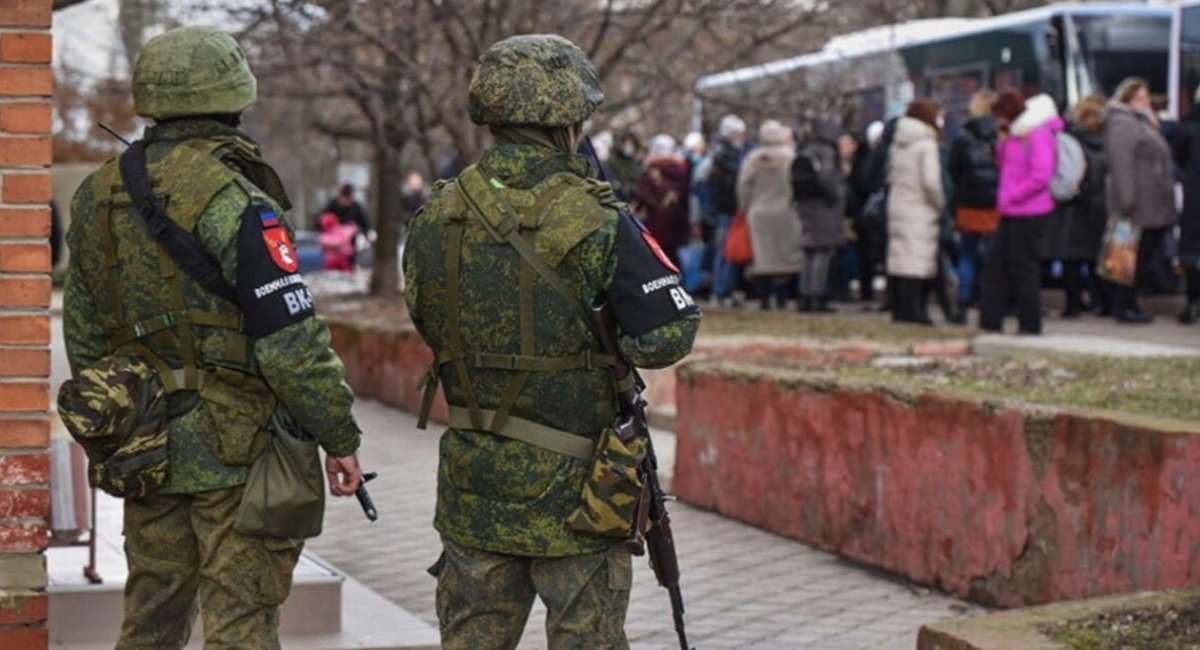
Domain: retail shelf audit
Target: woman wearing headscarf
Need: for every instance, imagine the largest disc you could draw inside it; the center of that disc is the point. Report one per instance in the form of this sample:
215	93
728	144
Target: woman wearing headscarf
1026	152
915	201
662	195
1141	184
822	214
764	193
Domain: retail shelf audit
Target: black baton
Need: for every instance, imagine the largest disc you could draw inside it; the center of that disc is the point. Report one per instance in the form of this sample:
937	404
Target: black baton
364	497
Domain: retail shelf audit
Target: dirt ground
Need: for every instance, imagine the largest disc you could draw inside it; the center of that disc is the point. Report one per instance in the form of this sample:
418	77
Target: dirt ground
1166	627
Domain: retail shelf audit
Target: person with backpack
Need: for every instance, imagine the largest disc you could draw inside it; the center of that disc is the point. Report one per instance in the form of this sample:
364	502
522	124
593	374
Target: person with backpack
1026	154
867	216
1077	228
716	180
818	185
1141	184
915	201
971	164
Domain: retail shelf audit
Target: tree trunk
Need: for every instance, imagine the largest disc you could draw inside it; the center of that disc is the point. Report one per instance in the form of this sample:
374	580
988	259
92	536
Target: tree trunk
389	211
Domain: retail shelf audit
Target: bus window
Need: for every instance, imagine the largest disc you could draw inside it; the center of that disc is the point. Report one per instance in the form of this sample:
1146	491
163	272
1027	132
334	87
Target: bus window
1117	47
1006	78
953	89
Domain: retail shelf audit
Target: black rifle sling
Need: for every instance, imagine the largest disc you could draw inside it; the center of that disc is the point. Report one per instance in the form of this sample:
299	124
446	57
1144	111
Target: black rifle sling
177	242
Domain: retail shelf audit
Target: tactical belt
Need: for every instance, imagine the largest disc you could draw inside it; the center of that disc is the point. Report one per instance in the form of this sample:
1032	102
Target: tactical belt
538	435
171	319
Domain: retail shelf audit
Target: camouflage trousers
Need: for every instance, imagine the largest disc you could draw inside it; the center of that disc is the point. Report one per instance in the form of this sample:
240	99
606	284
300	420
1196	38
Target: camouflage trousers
484	599
183	554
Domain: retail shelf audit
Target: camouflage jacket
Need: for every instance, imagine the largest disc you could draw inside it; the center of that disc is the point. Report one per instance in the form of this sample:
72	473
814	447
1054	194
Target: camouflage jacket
285	364
494	493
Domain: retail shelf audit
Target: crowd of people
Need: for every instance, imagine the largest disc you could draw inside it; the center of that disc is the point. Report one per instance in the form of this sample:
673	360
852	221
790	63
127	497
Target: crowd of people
1019	198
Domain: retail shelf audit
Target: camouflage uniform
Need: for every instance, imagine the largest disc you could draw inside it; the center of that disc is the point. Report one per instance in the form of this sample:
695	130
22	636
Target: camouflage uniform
510	349
227	366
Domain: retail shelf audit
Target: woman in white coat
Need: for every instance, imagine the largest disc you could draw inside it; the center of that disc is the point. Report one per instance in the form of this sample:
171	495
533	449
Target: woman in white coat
915	202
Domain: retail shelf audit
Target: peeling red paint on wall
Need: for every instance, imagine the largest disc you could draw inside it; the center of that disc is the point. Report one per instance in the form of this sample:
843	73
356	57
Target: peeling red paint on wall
998	506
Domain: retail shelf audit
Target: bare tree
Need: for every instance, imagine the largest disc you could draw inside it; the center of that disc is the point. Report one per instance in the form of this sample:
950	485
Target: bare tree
394	73
135	18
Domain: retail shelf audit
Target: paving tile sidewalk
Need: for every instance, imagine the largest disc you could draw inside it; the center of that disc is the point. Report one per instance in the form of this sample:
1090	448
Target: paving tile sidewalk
745	588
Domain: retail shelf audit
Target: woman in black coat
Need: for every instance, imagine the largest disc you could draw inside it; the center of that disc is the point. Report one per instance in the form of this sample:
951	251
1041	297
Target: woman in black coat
1187	157
1076	231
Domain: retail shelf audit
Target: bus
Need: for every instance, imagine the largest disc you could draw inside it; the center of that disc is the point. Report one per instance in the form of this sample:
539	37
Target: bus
1065	50
1185	57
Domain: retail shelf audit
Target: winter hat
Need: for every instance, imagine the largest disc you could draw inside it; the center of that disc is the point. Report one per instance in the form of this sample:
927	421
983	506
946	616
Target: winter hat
730	126
773	133
662	145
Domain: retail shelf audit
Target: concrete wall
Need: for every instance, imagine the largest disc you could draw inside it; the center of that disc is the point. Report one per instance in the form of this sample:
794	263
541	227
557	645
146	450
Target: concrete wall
993	504
26	84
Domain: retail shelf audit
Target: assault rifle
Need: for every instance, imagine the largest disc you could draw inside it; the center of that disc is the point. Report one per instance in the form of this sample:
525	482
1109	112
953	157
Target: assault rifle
651	527
651	524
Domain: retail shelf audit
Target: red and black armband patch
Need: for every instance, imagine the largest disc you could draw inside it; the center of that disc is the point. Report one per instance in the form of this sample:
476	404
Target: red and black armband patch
270	289
646	293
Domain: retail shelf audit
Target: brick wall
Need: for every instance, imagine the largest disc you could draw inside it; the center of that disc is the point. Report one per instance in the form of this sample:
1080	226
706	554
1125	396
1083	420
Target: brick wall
26	82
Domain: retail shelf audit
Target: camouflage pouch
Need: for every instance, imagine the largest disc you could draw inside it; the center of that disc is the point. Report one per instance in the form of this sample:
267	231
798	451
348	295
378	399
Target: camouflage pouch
610	495
240	405
116	410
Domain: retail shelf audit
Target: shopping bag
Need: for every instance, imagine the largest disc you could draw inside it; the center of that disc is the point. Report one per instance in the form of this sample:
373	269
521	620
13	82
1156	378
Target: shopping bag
691	266
737	242
1119	251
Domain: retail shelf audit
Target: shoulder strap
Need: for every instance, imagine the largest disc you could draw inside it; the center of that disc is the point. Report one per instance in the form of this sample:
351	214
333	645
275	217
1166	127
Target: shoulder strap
501	223
177	242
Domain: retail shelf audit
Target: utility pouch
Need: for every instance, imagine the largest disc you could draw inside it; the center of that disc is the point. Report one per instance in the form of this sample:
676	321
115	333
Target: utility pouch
240	405
284	496
611	492
116	410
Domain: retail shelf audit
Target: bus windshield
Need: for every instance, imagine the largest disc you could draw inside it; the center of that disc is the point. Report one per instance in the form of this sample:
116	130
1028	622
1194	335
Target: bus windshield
1126	46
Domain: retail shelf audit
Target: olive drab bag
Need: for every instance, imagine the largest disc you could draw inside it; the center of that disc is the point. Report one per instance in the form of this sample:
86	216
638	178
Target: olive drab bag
284	496
610	494
116	410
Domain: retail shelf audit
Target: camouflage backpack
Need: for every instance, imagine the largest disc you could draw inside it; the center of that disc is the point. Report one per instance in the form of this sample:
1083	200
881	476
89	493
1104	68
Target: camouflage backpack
116	410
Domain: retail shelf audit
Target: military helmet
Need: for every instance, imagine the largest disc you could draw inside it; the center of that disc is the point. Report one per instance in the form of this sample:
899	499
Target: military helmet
535	79
192	71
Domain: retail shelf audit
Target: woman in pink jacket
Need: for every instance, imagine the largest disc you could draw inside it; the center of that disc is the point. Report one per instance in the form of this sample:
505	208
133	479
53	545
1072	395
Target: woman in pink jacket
1025	156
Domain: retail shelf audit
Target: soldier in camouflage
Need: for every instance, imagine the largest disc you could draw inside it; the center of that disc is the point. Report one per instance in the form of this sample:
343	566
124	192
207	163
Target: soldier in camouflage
502	266
226	367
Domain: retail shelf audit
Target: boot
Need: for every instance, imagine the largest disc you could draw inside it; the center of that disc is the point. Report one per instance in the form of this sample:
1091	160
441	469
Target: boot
959	315
822	306
807	305
1190	314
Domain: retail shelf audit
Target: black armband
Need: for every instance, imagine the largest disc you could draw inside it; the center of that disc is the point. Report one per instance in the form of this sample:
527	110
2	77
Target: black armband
270	289
646	293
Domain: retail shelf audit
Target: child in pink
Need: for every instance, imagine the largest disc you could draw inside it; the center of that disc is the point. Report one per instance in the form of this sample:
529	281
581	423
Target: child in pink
337	243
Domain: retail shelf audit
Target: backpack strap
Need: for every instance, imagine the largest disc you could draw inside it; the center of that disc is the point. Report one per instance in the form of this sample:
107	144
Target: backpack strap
177	242
501	222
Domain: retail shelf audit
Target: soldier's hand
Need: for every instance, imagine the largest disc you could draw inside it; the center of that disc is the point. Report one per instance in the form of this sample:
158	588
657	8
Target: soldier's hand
344	474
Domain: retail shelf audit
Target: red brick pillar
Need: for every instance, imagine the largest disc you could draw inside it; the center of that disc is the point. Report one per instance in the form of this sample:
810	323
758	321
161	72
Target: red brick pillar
26	82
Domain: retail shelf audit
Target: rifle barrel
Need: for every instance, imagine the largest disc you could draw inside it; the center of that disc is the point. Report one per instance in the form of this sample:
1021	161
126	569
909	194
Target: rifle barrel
677	611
